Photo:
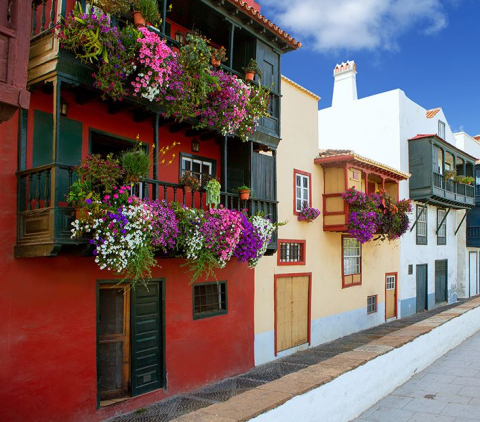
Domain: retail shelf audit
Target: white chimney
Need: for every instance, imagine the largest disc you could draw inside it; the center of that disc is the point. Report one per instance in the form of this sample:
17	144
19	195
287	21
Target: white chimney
345	85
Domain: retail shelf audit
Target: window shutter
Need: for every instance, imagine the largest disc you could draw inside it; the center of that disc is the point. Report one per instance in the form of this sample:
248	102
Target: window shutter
146	326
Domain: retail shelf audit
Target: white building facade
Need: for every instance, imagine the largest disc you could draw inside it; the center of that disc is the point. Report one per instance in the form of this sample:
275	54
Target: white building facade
380	127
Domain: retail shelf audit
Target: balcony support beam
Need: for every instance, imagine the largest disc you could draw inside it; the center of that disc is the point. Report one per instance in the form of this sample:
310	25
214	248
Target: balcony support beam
443	219
156	140
461	222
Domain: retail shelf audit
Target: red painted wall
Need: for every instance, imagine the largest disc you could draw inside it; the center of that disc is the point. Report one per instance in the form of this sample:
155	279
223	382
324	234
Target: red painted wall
48	310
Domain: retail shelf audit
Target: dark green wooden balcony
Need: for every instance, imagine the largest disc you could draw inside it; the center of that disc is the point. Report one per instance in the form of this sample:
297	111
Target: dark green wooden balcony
430	160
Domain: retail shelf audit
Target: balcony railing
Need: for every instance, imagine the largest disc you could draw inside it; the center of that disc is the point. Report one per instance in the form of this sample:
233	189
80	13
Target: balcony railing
453	187
45	218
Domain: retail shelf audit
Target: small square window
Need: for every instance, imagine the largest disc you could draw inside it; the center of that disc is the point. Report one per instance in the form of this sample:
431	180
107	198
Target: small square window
371	304
292	252
209	299
302	190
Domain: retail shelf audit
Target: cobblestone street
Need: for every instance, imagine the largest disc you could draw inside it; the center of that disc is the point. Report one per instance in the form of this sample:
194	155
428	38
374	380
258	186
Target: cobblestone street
447	391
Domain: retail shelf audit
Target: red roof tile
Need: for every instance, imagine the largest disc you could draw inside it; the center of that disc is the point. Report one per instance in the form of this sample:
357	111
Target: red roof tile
432	113
257	16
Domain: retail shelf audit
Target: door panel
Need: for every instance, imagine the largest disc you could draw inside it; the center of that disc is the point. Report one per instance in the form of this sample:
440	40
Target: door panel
421	287
473	273
391	296
113	341
441	281
292	304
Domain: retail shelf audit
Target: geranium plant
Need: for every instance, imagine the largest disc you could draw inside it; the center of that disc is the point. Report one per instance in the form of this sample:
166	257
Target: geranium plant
190	180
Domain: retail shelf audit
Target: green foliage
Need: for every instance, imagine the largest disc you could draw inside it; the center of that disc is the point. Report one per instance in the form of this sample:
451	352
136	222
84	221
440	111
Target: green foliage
253	67
220	54
135	163
149	9
139	267
213	192
243	187
203	266
114	7
78	193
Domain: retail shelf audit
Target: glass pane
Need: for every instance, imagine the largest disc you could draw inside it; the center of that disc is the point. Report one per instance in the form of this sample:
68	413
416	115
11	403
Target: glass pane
299	204
196	167
111	366
299	180
305	182
305	195
187	165
111	311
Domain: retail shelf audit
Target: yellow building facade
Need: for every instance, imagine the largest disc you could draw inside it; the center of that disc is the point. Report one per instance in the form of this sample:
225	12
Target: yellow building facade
320	285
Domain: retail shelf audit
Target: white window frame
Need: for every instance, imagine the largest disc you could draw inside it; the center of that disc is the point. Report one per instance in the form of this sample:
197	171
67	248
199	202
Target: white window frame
422	224
442	230
199	161
352	256
441	129
302	193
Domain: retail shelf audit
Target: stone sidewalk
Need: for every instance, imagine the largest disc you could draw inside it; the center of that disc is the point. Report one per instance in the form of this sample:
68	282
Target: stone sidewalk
268	386
447	391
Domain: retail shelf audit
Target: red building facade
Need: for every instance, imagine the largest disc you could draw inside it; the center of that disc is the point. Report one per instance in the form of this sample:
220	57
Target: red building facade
59	349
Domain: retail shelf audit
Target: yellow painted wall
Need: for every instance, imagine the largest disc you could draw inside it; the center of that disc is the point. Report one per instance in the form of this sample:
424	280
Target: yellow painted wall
297	150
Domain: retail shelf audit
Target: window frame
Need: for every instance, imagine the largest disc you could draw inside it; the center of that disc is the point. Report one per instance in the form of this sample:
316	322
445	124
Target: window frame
359	283
213	313
302	243
418	237
375	310
308	176
442	125
203	160
441	240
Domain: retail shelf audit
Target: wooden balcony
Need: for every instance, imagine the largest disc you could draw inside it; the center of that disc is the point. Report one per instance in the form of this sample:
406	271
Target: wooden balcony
45	219
430	158
344	170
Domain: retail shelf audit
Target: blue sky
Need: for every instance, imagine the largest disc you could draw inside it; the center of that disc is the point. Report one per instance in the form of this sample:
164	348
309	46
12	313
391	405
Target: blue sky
428	48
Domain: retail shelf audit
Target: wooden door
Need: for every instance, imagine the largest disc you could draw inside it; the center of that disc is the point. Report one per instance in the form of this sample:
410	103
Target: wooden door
390	296
441	281
292	310
473	273
113	341
421	287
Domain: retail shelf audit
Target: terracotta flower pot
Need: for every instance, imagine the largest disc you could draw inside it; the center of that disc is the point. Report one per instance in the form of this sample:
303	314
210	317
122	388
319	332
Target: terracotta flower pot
249	76
80	213
138	19
214	62
244	194
187	189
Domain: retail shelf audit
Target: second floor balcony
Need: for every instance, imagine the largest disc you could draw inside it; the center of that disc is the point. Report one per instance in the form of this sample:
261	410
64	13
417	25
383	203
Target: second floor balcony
442	175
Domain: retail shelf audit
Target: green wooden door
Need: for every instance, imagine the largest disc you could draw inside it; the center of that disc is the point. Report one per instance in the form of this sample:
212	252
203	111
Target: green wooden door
146	328
422	287
441	281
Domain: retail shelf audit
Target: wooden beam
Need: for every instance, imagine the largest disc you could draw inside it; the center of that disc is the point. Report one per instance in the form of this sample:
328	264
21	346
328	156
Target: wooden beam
117	107
190	133
84	96
140	115
165	122
209	135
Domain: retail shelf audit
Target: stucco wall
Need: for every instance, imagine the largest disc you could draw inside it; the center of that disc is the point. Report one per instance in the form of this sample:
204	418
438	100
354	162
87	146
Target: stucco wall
335	312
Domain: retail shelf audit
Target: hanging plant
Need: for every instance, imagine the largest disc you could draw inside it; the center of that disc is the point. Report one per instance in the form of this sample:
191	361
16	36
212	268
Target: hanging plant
213	192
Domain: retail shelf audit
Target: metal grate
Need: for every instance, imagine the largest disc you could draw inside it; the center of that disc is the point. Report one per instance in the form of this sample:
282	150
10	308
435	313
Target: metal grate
291	252
209	299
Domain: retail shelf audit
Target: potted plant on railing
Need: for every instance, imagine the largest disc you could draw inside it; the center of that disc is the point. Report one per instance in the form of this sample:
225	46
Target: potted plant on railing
244	192
79	192
115	7
145	11
308	214
252	69
466	180
190	182
449	175
212	188
135	163
218	55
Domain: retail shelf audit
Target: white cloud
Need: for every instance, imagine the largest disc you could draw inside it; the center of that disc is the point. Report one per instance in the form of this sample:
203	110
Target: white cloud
356	24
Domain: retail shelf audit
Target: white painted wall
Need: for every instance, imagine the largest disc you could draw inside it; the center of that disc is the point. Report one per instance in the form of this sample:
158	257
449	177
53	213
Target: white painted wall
361	390
379	127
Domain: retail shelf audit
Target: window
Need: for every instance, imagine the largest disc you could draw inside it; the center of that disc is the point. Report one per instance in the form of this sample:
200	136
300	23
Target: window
292	252
129	349
209	299
410	269
302	190
371	304
352	262
198	166
441	129
422	234
442	229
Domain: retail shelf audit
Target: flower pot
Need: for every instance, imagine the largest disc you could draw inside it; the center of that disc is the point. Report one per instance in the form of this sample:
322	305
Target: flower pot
80	213
244	195
138	19
214	62
249	76
187	189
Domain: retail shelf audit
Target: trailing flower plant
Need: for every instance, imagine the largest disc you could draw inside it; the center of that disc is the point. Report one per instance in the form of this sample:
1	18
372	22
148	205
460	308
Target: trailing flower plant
376	214
308	214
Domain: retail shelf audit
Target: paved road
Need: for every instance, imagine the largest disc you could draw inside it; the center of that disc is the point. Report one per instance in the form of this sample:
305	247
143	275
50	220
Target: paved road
447	391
